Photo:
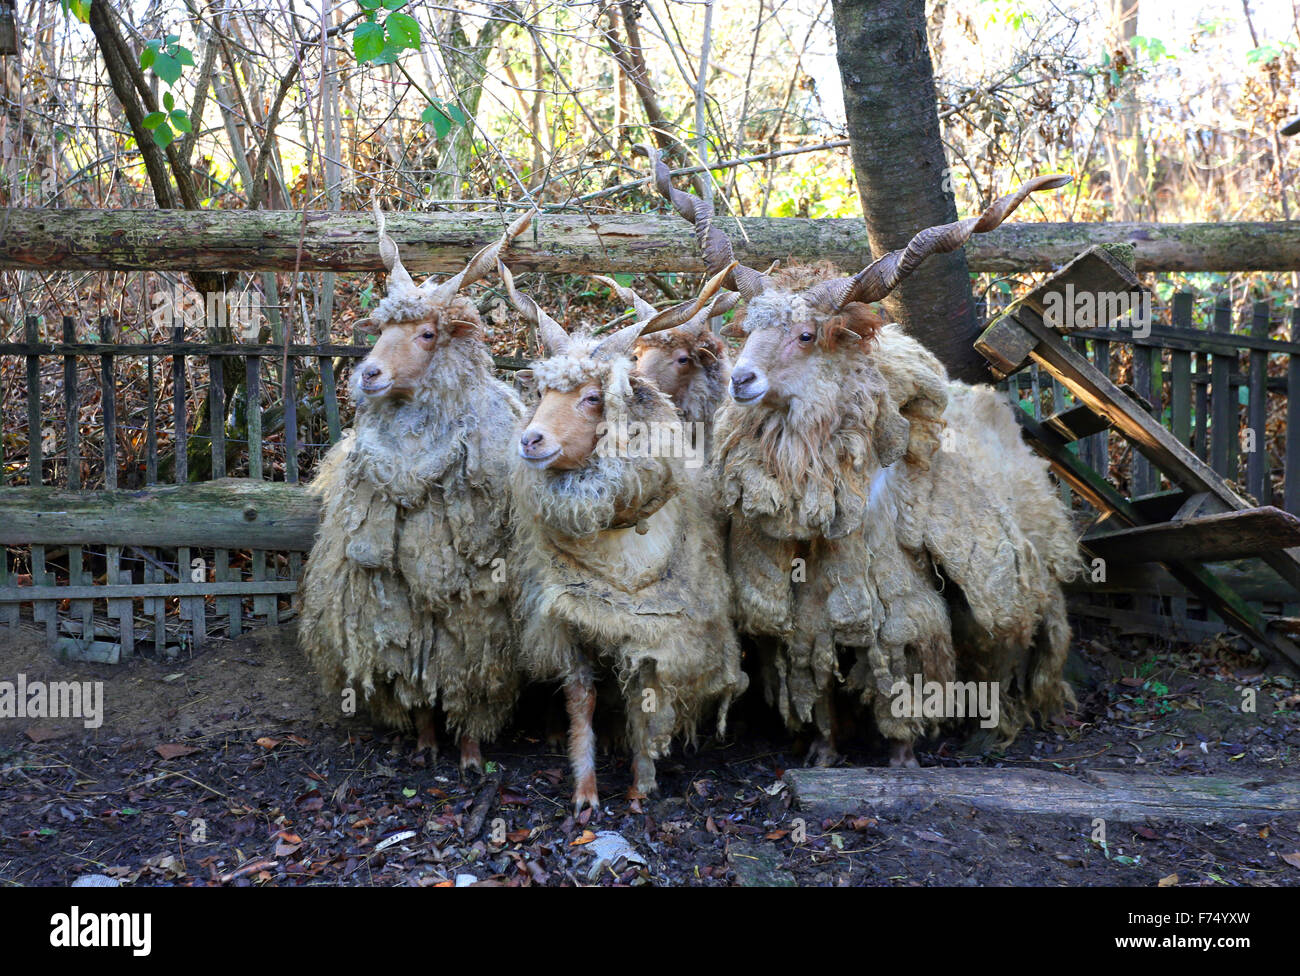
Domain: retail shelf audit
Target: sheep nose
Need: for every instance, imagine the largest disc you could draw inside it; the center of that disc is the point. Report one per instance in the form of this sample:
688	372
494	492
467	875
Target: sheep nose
530	439
370	372
742	378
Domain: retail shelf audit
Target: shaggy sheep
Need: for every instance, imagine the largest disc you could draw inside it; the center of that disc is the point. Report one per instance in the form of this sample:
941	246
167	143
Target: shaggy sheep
405	598
924	536
689	363
622	572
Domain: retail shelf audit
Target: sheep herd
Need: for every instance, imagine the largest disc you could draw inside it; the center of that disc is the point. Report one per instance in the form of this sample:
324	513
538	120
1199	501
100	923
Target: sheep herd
870	527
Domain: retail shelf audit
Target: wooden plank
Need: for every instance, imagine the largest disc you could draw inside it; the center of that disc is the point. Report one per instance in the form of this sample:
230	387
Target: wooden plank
1121	796
1208	538
122	610
71	407
191	590
35	450
1223	409
108	405
1180	367
1291	486
1101	457
1103	496
268	240
290	423
1144	477
1257	467
328	384
231	513
180	428
1248	578
217	416
151	426
253	415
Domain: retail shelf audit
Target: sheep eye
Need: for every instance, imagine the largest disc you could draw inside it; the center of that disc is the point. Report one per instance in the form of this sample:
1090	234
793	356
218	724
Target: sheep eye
426	334
683	360
806	337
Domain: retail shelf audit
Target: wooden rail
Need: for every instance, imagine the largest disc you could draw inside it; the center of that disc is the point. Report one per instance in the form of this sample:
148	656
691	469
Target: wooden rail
264	240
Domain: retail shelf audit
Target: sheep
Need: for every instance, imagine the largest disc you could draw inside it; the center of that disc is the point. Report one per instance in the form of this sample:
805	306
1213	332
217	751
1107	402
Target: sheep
689	363
620	561
927	536
405	599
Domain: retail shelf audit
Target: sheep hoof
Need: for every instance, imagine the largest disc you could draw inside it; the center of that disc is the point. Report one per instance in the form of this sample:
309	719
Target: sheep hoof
902	757
822	753
585	796
471	758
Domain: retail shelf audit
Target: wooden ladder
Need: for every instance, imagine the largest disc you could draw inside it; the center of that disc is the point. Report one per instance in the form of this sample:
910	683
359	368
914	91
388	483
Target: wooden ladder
1203	519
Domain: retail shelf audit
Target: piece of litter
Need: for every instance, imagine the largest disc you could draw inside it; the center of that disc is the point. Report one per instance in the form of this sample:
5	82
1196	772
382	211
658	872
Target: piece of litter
397	838
608	849
96	881
465	880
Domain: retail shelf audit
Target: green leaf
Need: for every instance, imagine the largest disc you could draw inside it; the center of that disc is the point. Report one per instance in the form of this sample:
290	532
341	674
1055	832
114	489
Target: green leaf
181	120
456	115
184	56
169	103
154	119
389	54
367	41
409	792
394	4
370	4
436	117
403	30
163	135
147	56
167	68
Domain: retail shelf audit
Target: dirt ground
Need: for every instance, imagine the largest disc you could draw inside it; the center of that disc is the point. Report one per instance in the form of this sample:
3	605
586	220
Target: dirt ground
230	768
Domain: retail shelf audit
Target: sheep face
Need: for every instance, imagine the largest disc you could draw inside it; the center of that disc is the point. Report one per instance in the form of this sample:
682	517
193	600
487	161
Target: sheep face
564	429
670	363
793	348
407	350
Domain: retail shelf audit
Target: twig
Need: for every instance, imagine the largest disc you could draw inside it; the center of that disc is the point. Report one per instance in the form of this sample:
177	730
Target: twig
487	794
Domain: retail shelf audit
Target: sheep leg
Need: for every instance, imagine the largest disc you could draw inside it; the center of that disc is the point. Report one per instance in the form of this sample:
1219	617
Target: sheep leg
471	757
650	721
901	755
580	700
823	752
427	728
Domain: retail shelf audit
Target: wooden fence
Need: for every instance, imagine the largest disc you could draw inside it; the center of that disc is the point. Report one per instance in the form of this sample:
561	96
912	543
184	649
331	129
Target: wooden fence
150	557
164	567
1250	435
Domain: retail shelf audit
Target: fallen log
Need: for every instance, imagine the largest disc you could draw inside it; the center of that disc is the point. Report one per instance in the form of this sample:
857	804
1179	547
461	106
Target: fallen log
266	240
1106	794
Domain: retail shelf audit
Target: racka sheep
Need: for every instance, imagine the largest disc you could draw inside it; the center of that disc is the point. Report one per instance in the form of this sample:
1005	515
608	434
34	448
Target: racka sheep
924	536
622	573
688	362
406	599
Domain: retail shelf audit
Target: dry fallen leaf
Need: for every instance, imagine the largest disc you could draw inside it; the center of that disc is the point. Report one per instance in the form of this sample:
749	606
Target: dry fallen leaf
1292	859
174	750
38	734
266	742
587	837
1168	881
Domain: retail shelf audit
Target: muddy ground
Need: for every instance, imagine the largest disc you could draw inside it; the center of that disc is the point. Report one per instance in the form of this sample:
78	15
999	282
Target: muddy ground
230	768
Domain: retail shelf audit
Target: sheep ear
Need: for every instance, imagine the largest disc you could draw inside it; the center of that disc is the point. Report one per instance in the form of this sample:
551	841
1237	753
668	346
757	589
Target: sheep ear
732	330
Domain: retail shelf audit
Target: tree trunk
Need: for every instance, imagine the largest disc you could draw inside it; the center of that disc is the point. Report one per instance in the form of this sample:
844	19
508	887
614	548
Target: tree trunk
898	158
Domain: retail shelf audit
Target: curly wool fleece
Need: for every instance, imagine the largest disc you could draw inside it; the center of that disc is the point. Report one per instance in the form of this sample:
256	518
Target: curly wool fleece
403	597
